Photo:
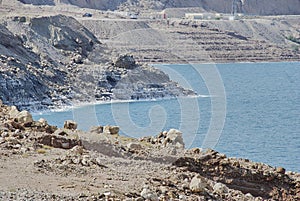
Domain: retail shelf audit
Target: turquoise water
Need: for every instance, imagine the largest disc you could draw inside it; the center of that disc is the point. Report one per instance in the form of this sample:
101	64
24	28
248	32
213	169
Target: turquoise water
261	102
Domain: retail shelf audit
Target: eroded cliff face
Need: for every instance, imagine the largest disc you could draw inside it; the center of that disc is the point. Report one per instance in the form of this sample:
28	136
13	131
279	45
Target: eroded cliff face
34	58
54	61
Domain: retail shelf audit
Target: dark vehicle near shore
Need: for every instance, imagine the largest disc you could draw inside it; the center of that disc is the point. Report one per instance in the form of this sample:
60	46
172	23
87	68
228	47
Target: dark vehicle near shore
87	15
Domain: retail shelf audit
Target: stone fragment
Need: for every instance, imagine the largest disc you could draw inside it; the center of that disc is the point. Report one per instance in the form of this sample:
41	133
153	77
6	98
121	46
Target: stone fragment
77	150
58	141
97	129
198	184
134	146
113	130
220	188
77	59
280	170
24	117
43	122
148	194
69	124
13	112
174	137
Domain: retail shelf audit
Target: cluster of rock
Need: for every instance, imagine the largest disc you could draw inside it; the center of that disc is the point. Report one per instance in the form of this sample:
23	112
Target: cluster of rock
19	133
153	168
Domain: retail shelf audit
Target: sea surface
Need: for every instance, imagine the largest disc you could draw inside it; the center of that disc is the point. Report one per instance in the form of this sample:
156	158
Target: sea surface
247	110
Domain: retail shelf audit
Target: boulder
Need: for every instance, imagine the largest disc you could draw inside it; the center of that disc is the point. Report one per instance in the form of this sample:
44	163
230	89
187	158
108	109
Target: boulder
13	112
113	130
125	61
280	170
198	184
97	129
69	124
59	141
220	188
24	117
43	122
174	137
134	146
148	194
77	59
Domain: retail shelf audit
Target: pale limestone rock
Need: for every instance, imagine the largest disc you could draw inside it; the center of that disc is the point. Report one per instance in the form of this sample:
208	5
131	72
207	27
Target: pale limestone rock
220	188
24	117
198	184
174	137
148	194
134	146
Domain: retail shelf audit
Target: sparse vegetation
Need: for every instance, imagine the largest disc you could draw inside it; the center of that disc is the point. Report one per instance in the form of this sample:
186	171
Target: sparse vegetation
295	48
41	151
293	39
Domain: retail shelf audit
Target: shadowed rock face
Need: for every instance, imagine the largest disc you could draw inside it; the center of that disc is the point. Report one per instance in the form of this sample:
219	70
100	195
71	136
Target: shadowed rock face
32	59
39	2
97	4
64	33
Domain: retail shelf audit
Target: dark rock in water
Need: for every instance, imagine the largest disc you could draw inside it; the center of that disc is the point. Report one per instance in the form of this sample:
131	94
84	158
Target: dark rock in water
125	61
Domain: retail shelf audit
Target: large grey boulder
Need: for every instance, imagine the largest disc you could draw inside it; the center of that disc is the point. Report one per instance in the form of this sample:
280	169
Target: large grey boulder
24	117
198	184
174	138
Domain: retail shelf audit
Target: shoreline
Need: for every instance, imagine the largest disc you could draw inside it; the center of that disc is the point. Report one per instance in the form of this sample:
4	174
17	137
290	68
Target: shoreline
95	103
101	164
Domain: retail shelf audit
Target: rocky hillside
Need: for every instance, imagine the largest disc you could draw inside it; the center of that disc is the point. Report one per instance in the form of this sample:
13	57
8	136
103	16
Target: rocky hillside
34	57
253	7
53	61
182	40
43	162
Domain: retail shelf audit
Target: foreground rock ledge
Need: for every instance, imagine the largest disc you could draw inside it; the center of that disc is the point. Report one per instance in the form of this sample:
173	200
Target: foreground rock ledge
39	161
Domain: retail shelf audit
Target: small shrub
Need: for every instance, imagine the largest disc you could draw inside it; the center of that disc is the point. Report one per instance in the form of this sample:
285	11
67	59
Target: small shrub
293	39
41	151
295	48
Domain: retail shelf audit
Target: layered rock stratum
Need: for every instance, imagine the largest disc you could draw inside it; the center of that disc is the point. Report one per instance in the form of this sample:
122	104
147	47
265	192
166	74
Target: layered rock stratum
254	7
